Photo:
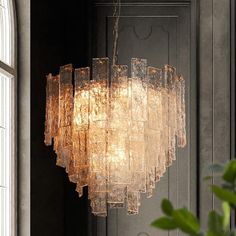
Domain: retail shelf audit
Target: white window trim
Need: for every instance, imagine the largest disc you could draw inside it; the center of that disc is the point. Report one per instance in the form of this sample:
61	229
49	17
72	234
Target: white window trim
11	72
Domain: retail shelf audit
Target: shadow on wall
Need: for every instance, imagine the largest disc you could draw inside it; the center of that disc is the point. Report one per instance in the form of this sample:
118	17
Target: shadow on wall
58	36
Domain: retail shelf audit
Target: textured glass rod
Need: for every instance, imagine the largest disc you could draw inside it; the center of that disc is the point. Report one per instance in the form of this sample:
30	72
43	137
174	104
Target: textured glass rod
113	133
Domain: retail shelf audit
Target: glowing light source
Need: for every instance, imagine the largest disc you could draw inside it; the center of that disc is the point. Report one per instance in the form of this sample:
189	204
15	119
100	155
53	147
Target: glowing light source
115	134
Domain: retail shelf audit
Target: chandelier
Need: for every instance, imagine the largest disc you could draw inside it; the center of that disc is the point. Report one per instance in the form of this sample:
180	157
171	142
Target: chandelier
115	133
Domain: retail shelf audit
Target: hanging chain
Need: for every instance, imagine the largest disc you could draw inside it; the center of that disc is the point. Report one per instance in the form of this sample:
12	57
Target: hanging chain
116	16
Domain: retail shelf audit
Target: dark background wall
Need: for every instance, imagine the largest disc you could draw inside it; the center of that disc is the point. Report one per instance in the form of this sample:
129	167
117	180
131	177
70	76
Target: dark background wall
58	36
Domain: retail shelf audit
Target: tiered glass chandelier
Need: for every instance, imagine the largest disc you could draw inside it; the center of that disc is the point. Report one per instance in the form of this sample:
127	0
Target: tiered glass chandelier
115	133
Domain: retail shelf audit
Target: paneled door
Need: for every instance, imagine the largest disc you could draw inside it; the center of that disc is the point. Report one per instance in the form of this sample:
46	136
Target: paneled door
163	33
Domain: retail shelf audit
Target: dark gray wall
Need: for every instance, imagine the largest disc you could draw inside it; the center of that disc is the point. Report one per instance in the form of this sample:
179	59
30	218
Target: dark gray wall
58	37
214	94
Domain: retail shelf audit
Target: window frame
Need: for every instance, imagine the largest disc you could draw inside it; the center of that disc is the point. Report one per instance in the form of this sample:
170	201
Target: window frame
11	72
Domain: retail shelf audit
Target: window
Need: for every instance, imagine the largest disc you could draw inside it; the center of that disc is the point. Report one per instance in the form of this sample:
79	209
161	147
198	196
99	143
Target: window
7	121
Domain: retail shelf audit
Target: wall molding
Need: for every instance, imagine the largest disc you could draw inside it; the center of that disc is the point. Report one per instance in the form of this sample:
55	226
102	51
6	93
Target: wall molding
232	90
145	4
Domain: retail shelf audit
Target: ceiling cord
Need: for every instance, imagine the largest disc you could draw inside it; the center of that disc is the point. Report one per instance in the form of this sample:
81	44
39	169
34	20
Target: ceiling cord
116	15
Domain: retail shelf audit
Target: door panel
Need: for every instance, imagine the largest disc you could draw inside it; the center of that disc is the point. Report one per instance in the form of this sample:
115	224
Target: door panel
159	32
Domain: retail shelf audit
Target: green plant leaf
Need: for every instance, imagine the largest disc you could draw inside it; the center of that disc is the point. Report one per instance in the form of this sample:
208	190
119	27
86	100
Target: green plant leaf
167	207
186	221
209	177
209	233
165	223
228	186
216	168
226	216
230	172
215	223
224	194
